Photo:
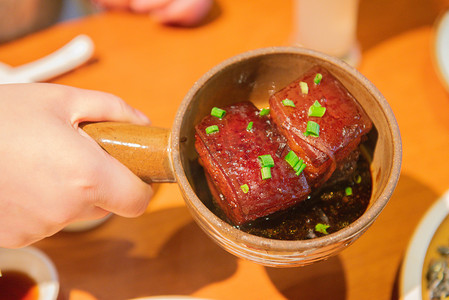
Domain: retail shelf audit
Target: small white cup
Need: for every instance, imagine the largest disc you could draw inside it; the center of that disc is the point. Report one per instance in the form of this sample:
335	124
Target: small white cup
35	264
328	26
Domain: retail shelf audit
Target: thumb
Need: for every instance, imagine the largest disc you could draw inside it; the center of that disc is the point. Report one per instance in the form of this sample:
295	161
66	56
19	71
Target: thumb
120	191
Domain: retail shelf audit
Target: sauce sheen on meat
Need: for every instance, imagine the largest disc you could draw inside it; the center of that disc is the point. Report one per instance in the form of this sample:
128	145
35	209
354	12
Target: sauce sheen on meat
230	158
341	127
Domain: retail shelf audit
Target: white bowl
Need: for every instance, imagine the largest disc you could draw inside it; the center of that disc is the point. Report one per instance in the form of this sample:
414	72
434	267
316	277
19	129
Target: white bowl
85	225
412	267
35	264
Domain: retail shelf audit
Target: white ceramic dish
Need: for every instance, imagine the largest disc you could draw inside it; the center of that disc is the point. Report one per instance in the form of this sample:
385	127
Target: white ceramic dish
86	225
37	265
411	273
441	48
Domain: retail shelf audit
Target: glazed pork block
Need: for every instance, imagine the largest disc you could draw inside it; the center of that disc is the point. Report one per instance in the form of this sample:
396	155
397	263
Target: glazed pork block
325	140
230	148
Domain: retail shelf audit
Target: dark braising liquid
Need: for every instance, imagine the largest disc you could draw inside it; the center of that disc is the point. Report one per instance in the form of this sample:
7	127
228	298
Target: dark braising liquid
330	206
15	285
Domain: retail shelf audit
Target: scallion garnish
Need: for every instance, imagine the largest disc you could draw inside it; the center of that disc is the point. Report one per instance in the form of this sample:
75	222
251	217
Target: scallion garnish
217	112
358	178
316	110
313	129
318	78
245	188
348	191
264	111
266	173
304	87
321	228
212	129
250	126
295	162
298	165
288	102
301	168
266	161
291	158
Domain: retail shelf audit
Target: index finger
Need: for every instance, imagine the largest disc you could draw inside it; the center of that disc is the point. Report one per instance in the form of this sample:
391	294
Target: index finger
94	106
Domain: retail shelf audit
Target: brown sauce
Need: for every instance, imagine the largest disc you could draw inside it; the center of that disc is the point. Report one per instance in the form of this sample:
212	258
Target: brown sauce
330	206
16	285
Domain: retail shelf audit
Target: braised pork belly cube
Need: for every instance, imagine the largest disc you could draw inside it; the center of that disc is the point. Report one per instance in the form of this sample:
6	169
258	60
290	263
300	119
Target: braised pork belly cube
243	156
322	122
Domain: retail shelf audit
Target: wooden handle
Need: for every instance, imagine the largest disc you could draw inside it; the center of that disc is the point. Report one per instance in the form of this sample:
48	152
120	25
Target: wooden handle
144	150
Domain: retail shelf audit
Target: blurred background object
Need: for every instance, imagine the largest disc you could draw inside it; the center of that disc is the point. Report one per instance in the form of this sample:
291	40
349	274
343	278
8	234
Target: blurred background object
21	17
397	16
352	21
328	26
75	53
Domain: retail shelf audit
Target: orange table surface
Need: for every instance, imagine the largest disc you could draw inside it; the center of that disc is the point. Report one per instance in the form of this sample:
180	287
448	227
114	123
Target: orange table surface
163	252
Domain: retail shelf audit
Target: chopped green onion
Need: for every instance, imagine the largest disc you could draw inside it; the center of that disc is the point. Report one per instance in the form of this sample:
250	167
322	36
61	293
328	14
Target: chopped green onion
291	158
288	102
298	165
266	173
316	110
245	188
212	129
312	129
358	179
348	191
250	126
266	160
264	111
301	168
321	228
295	162
304	87
217	112
318	78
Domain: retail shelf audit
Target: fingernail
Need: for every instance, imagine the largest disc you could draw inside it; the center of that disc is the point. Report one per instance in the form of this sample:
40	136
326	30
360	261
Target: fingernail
142	116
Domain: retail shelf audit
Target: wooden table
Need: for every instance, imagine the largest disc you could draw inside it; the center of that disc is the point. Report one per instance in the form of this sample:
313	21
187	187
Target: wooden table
152	67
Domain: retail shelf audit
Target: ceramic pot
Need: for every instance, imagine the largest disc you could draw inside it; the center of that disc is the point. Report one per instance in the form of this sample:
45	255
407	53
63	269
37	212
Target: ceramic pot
163	155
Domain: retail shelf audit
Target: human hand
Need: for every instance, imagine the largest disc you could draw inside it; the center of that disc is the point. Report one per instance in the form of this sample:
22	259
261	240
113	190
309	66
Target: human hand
52	172
177	12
